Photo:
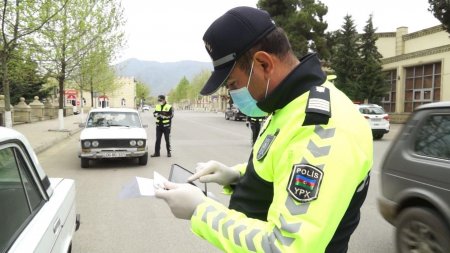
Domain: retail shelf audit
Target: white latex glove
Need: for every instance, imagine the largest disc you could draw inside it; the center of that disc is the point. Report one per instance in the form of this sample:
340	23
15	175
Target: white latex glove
216	172
182	199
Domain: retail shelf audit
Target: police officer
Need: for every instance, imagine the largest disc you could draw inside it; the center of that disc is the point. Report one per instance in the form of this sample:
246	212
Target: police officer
255	125
163	114
308	173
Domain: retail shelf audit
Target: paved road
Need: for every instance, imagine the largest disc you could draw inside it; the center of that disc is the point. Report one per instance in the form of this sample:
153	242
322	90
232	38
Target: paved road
146	224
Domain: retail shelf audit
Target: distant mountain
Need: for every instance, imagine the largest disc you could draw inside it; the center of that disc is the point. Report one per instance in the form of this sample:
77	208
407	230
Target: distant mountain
160	76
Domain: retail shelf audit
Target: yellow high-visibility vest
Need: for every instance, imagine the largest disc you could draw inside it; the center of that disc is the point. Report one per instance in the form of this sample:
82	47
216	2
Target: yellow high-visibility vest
314	170
163	110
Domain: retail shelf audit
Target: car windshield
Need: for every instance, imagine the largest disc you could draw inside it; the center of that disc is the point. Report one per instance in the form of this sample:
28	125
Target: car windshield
108	119
372	110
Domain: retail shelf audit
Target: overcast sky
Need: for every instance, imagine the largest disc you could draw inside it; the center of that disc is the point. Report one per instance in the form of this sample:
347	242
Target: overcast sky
168	31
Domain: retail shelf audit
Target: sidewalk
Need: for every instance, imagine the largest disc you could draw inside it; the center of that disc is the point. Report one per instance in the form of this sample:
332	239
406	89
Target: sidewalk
44	134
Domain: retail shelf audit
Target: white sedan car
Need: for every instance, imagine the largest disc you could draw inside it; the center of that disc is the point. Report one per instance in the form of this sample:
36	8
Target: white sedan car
377	118
113	133
37	213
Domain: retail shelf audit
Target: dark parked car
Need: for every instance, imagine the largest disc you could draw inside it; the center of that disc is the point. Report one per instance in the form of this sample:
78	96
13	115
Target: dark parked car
234	113
415	181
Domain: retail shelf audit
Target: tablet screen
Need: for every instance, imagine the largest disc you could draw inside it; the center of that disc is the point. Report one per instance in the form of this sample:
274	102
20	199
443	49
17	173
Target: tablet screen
179	174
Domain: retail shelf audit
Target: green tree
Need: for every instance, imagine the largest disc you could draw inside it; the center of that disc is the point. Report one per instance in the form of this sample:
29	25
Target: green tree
302	21
441	10
106	81
83	27
371	84
181	91
142	92
345	60
108	16
25	79
197	83
19	20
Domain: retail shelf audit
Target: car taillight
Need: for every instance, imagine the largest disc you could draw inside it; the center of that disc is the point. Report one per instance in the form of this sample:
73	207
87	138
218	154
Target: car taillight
386	117
367	117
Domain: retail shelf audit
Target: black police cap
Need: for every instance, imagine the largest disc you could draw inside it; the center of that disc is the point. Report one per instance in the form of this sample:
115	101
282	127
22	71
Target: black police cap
229	37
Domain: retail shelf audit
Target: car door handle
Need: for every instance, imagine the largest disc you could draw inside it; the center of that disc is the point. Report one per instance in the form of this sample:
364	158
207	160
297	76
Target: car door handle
56	226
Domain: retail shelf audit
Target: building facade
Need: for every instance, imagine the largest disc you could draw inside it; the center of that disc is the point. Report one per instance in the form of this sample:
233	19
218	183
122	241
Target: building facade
417	67
122	96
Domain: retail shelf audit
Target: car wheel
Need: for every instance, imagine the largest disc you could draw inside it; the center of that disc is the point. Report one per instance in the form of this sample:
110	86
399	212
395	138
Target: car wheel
377	136
84	163
421	230
143	159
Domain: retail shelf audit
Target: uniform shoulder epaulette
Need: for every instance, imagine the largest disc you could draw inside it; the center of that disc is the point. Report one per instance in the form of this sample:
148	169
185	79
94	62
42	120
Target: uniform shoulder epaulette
318	108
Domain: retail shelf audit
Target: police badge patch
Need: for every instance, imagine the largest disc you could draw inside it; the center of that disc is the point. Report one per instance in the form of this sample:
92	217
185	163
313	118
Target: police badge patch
262	152
304	182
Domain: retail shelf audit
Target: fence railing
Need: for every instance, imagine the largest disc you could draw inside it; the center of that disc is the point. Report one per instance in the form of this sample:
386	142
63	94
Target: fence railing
35	111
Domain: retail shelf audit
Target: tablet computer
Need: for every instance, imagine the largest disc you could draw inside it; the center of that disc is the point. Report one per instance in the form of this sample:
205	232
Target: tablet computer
178	174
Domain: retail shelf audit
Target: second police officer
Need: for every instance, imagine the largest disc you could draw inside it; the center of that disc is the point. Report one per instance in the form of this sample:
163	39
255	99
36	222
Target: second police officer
163	115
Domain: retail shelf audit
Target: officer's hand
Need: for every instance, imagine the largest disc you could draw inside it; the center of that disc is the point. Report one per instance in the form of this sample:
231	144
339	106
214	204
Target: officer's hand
182	199
214	171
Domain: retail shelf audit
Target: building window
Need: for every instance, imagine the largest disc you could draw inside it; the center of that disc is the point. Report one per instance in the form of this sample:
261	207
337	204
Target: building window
388	101
422	85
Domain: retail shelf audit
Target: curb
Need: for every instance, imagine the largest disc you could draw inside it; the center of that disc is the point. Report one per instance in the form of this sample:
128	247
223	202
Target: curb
41	148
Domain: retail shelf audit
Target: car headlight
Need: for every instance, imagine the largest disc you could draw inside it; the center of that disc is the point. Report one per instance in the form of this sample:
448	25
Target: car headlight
86	144
95	144
133	143
140	143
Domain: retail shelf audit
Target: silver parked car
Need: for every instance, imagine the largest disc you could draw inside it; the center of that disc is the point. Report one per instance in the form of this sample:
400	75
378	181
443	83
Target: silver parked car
415	181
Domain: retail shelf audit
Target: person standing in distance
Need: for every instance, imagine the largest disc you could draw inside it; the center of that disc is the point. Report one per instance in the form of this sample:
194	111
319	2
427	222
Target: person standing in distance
255	125
163	114
307	175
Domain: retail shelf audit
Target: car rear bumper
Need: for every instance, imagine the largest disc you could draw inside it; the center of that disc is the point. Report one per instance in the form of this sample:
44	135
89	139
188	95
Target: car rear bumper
380	131
388	209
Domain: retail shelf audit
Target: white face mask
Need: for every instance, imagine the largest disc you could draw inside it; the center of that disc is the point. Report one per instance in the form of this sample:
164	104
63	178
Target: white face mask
161	102
244	100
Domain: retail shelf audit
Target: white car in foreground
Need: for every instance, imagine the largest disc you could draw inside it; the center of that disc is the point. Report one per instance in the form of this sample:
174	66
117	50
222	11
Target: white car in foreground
37	213
377	118
112	133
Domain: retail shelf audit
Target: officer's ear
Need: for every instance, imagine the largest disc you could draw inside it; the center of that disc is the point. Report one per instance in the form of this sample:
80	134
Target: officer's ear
266	61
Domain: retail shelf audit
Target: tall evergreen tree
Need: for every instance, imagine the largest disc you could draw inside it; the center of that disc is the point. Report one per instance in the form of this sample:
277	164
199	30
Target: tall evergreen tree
345	59
303	23
441	10
25	79
371	84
